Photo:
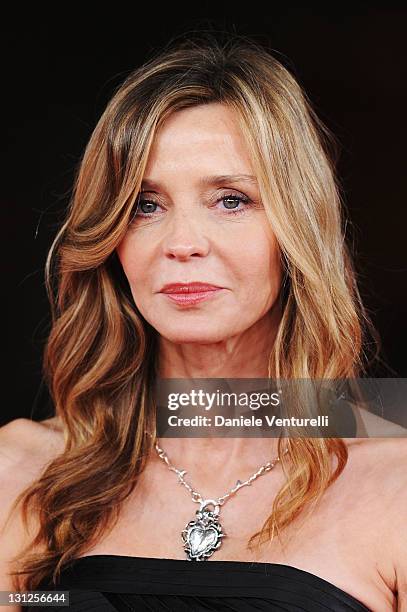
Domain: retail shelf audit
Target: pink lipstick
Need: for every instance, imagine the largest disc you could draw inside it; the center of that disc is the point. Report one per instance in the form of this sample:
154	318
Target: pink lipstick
188	294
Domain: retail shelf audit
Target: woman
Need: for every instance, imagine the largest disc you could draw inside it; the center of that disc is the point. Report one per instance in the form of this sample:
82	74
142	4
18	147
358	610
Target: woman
208	166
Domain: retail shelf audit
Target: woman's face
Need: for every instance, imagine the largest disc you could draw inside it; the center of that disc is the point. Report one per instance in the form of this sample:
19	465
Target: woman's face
196	225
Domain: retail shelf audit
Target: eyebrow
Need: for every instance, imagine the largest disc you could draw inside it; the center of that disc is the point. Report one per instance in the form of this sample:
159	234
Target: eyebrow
208	181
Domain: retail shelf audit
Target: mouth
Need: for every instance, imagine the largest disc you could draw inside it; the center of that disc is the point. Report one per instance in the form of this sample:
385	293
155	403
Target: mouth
188	294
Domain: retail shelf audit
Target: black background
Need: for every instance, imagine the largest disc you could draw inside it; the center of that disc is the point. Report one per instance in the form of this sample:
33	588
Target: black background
59	71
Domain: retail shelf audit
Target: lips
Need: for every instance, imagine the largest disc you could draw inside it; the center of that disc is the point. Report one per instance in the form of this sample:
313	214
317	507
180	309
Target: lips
189	295
196	287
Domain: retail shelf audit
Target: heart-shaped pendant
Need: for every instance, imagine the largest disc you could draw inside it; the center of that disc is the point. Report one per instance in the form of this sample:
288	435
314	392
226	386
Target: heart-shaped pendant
203	535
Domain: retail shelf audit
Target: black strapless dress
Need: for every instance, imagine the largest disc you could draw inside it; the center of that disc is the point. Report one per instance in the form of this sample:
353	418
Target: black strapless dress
112	583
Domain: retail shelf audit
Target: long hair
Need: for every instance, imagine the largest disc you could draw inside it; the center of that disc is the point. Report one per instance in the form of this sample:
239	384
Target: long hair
100	358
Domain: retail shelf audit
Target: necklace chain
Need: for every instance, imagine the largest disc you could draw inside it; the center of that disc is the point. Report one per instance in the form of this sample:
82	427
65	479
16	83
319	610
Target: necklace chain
197	497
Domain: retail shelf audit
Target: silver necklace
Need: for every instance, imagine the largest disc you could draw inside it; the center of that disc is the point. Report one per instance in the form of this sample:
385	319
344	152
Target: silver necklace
203	535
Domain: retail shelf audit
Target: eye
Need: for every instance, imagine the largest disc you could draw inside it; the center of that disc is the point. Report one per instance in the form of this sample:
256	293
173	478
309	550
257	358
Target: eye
144	208
147	206
231	202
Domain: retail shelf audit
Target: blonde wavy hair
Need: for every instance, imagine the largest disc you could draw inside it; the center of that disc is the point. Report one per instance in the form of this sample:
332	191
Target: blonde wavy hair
100	358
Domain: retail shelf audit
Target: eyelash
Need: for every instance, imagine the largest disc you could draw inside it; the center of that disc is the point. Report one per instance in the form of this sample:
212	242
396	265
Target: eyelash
231	196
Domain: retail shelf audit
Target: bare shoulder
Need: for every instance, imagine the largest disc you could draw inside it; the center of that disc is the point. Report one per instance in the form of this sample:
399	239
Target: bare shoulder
26	448
383	462
381	469
372	425
395	508
26	440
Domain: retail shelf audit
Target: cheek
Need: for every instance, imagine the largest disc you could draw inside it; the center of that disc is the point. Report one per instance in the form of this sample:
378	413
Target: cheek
136	273
259	262
133	264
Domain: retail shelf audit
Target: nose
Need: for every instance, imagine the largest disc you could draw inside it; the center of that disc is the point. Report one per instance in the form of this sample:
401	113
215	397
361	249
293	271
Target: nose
185	237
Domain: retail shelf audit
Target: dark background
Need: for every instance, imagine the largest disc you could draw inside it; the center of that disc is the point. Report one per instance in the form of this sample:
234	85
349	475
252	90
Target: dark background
60	70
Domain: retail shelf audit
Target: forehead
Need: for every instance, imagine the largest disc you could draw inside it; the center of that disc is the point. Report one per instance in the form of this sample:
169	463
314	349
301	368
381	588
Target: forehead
207	135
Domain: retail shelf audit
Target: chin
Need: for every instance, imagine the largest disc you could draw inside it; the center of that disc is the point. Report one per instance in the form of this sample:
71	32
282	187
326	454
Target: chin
193	334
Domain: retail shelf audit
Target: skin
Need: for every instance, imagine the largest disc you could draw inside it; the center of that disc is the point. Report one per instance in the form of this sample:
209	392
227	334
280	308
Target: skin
352	538
188	234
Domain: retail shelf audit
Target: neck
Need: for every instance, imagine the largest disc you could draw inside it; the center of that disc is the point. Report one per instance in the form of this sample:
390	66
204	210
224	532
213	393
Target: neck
216	463
245	355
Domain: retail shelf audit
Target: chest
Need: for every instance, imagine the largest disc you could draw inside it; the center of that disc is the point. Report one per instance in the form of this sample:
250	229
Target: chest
339	540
